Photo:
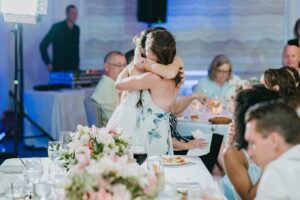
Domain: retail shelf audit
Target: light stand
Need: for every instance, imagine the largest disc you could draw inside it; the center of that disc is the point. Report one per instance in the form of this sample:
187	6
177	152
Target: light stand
20	11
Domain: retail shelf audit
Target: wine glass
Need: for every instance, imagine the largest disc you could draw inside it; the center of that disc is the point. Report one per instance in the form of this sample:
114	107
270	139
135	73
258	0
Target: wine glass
140	150
65	138
54	153
33	171
54	150
42	189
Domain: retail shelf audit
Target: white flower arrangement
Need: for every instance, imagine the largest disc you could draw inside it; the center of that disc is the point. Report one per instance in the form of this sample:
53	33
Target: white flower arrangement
111	178
241	84
93	143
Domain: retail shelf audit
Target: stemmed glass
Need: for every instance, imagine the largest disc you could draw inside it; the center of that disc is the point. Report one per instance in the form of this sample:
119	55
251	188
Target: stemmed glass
33	171
42	189
140	151
54	153
65	138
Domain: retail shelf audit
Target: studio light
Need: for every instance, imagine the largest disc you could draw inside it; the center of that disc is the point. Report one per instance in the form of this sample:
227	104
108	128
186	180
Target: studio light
23	11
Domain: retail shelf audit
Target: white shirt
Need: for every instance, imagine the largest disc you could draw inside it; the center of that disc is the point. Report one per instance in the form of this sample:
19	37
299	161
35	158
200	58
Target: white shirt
281	178
107	97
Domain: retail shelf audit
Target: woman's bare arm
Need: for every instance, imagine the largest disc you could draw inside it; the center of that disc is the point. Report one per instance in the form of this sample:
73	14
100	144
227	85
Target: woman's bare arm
195	143
147	80
236	169
166	71
184	101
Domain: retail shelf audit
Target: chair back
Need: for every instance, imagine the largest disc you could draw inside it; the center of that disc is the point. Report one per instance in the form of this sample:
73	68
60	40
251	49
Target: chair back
93	112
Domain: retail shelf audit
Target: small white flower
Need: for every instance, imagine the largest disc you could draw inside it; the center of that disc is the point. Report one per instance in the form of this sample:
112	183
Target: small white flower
85	138
120	192
105	138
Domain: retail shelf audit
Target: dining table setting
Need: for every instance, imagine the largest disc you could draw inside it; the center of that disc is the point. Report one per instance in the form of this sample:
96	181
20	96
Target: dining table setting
96	163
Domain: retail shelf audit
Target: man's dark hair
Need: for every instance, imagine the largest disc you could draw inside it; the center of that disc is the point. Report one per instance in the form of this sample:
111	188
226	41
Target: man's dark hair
111	53
276	117
244	100
129	55
70	7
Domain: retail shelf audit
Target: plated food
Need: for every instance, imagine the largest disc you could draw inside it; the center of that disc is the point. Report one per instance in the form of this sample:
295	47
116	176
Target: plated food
220	120
174	160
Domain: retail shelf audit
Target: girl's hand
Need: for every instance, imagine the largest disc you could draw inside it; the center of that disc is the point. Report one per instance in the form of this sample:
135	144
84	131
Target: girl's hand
196	143
139	64
138	60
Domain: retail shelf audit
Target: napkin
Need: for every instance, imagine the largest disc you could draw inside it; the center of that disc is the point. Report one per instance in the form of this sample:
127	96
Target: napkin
198	134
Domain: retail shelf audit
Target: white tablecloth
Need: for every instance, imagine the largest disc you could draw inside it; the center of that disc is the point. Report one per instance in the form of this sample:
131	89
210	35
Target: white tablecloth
193	172
186	127
54	111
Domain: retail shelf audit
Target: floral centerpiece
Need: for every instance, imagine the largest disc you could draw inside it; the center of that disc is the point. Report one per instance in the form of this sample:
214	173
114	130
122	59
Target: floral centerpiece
239	85
93	143
111	178
242	84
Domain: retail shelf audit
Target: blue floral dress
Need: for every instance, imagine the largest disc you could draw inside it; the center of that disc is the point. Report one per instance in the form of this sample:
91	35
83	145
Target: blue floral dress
148	120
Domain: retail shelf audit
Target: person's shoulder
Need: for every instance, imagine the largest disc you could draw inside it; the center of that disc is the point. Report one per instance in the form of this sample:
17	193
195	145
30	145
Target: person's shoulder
234	155
59	24
230	150
76	26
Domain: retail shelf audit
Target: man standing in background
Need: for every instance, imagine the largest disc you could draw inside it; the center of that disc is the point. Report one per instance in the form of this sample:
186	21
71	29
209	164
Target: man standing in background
64	37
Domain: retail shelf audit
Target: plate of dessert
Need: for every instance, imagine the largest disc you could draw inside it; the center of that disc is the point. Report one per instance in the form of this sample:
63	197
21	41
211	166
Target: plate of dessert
174	160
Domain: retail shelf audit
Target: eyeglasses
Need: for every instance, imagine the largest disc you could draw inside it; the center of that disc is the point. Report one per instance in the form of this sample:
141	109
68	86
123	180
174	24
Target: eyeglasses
223	71
117	65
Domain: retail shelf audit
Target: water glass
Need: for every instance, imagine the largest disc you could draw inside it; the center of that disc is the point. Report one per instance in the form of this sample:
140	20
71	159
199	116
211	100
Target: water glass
42	189
33	170
15	192
194	193
154	164
169	193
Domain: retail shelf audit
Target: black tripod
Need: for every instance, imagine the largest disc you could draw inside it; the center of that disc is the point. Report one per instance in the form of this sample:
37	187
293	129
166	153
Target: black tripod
18	85
19	114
